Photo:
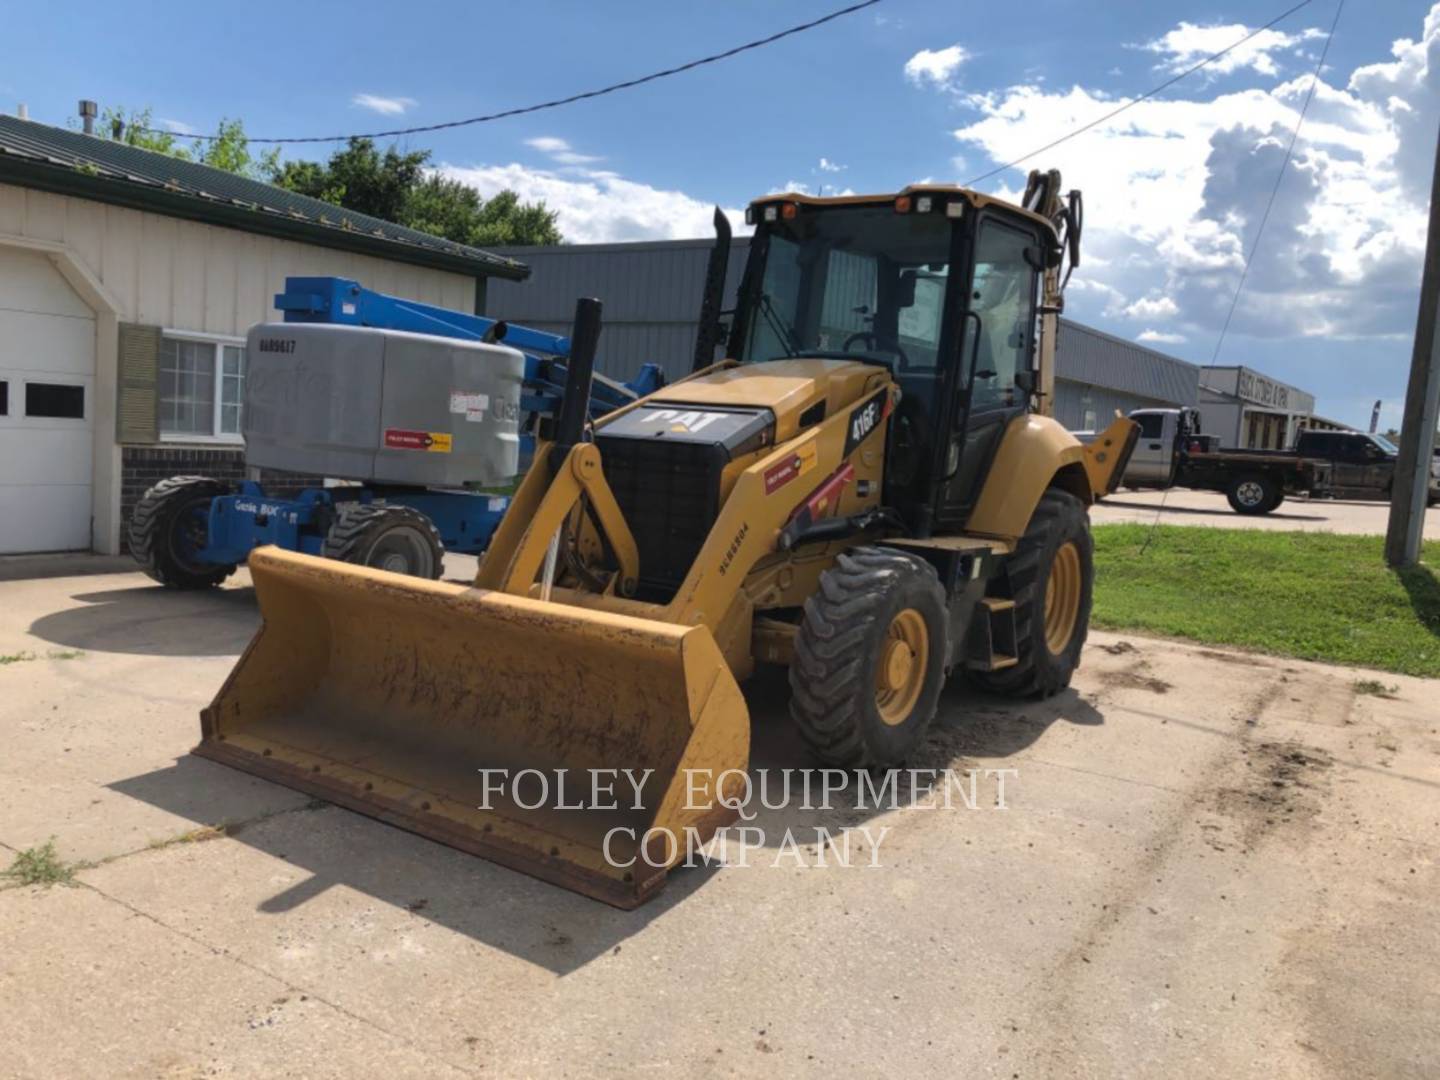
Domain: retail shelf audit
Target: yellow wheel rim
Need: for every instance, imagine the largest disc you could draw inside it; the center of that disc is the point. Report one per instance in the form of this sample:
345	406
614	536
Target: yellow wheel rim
1062	598
900	672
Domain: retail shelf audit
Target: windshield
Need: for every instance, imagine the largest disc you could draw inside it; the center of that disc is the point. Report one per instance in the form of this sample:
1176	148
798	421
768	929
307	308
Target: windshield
1385	444
861	280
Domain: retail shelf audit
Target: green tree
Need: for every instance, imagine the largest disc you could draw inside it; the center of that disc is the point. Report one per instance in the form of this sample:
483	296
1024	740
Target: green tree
396	186
230	150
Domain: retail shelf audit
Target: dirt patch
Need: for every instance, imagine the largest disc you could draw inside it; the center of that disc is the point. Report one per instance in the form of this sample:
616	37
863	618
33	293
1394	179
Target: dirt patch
1120	648
1243	659
1135	677
1282	789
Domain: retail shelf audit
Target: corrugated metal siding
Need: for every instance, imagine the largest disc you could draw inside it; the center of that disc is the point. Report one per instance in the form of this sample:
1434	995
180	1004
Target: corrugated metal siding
1071	406
651	292
1094	358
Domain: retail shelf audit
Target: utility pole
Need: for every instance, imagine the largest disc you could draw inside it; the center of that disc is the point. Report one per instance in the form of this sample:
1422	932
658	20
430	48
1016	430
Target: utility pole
1422	400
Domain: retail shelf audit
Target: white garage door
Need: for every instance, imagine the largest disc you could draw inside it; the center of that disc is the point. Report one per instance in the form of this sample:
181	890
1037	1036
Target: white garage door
47	386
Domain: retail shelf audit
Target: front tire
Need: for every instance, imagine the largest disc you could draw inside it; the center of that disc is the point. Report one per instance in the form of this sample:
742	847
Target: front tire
870	659
394	538
1255	494
169	527
1051	578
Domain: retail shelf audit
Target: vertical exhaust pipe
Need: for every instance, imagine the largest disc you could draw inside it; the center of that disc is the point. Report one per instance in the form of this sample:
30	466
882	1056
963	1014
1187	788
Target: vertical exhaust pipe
575	407
88	112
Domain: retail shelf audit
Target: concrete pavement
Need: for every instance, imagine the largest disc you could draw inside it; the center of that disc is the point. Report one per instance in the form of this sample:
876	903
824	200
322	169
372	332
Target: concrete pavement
1181	507
1211	864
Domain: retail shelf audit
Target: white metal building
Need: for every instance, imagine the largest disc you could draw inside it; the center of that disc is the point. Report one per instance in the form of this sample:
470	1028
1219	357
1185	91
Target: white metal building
128	280
1253	411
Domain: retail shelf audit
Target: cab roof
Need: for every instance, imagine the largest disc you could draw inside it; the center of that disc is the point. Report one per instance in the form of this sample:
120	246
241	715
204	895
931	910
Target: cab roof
976	199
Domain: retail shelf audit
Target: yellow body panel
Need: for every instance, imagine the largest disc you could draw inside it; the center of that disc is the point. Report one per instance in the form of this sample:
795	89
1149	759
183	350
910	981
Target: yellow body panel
788	388
1107	455
1033	450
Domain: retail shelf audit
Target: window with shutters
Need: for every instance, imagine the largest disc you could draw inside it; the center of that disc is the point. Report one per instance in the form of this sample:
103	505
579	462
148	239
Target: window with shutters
201	388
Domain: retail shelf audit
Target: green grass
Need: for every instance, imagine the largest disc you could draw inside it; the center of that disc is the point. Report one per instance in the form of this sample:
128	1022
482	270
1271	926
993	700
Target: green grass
15	658
1316	596
40	866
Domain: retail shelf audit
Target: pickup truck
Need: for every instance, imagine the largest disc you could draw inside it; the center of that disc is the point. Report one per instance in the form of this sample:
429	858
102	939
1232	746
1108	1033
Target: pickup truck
1362	466
1172	452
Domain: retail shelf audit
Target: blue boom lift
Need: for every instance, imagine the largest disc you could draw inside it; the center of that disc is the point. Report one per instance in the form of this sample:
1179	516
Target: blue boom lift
192	532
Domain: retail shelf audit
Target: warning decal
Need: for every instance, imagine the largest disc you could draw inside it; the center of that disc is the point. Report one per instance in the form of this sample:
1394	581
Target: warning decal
797	464
437	442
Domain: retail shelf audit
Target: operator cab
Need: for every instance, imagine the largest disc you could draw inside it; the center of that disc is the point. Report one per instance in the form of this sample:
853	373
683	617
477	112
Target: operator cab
938	285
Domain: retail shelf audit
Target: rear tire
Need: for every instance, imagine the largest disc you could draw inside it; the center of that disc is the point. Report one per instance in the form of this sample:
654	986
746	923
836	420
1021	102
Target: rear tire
1253	494
870	659
170	524
393	538
1051	577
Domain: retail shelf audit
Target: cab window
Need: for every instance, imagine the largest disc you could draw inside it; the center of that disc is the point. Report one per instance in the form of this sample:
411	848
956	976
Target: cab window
1003	297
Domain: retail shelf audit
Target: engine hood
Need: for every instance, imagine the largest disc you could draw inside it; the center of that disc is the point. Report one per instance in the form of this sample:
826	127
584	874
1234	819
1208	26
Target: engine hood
790	389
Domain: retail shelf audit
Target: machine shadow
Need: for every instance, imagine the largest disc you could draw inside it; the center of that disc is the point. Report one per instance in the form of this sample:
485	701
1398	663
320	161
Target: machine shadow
532	920
541	923
155	621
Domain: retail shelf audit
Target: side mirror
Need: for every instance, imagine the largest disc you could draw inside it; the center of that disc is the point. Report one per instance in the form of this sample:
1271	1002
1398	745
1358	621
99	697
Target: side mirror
1025	382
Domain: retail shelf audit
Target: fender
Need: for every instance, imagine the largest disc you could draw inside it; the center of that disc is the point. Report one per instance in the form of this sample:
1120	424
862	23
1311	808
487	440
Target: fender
1035	453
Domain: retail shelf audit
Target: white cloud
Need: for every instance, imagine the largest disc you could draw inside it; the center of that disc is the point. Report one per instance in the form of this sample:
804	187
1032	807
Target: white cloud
1188	44
826	165
598	206
179	127
560	151
385	106
1159	337
1158	307
1175	189
936	67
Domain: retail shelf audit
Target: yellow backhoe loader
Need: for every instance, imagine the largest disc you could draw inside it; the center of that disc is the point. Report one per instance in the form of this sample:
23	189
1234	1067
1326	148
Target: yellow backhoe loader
867	488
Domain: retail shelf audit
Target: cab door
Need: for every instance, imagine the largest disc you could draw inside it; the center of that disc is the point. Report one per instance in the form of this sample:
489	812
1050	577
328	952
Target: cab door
996	358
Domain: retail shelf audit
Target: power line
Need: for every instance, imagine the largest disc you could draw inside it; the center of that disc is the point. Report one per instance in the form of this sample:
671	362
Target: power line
1254	247
1143	97
1279	176
628	84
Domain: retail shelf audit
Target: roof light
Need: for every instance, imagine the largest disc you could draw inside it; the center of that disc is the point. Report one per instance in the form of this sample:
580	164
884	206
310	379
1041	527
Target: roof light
771	213
902	204
789	210
924	204
955	209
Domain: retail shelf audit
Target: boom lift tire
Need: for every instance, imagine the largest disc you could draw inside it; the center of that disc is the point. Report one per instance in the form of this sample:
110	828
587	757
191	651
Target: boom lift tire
395	538
869	659
169	525
1253	494
1051	577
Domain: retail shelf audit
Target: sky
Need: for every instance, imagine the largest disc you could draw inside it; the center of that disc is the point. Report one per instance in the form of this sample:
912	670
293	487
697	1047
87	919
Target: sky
904	91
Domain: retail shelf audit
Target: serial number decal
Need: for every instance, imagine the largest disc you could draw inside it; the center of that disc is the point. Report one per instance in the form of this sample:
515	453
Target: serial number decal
436	442
276	345
865	419
734	547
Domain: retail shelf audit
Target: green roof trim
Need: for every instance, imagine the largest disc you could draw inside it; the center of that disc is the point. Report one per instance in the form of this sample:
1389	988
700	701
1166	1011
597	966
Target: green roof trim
67	162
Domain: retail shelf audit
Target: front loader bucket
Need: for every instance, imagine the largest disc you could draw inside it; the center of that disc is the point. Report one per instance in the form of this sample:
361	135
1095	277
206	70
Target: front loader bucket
389	695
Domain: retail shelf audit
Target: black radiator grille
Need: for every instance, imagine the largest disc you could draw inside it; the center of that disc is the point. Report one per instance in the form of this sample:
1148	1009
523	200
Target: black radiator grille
669	492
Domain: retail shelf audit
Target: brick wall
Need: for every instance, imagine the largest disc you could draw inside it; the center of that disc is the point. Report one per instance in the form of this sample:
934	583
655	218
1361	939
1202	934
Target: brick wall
143	466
